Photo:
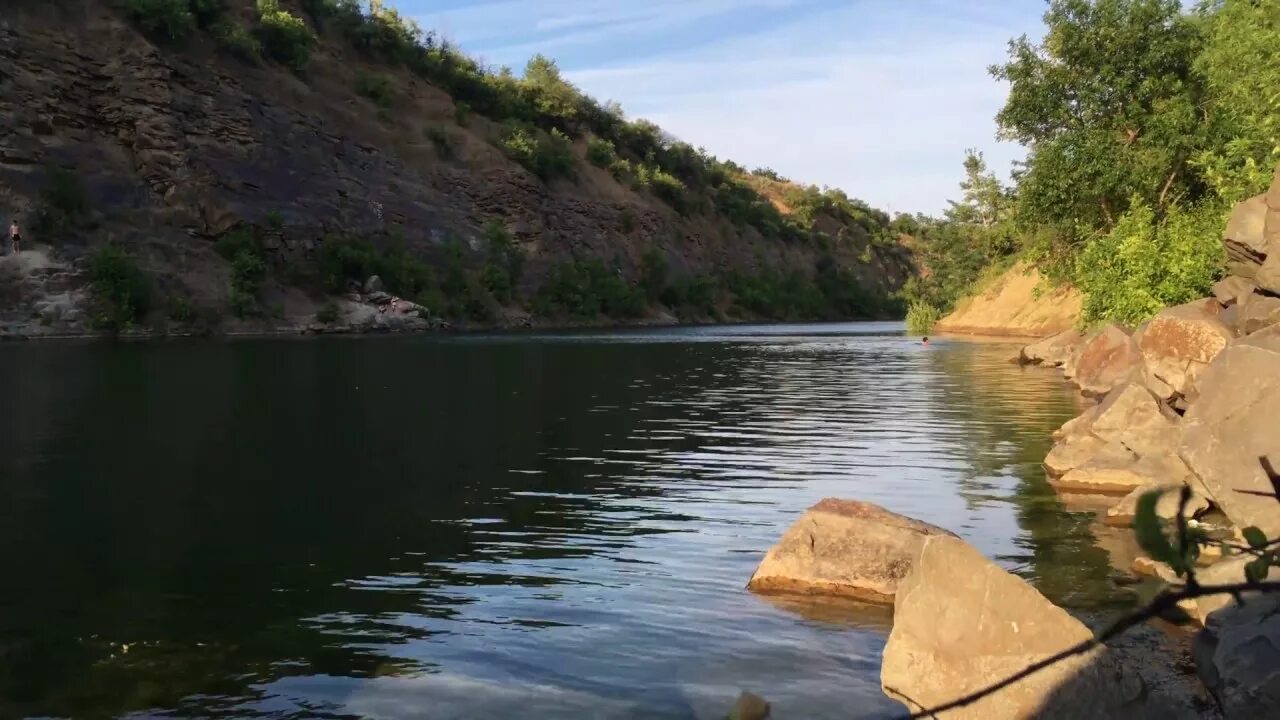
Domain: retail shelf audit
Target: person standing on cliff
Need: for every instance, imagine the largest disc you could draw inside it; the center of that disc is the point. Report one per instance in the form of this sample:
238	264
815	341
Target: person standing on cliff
15	236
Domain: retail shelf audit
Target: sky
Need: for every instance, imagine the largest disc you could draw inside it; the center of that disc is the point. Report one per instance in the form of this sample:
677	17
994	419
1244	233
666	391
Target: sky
877	97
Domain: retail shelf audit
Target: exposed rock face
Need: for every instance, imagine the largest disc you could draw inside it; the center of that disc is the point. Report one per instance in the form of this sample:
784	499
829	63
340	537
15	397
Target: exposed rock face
843	547
1018	303
1107	359
1238	657
1103	477
1181	341
1269	274
1231	426
1056	351
962	623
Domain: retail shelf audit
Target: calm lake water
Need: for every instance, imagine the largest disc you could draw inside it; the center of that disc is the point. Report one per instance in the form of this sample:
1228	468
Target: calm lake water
535	526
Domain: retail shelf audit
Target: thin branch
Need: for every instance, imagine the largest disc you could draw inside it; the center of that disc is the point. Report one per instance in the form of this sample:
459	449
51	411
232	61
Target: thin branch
1166	600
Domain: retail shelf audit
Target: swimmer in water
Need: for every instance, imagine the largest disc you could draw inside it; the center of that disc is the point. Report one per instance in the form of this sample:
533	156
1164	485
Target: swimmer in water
925	341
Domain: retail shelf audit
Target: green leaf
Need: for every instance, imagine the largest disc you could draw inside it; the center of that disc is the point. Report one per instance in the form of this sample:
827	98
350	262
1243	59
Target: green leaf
1150	533
1256	571
1255	537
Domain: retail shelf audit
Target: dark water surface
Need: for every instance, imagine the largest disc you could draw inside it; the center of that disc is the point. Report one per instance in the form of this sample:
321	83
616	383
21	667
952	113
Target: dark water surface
479	527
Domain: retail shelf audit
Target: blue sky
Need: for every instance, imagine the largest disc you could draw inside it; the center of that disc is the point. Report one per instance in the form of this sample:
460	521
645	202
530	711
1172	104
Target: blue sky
877	97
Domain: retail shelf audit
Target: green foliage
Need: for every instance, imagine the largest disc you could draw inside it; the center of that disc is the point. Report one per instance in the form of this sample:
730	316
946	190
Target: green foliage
1145	263
503	266
654	272
244	251
169	20
238	41
207	13
921	317
1108	102
665	186
121	291
343	260
181	310
587	289
547	155
328	313
600	153
377	88
1239	66
63	207
285	37
440	140
692	297
462	114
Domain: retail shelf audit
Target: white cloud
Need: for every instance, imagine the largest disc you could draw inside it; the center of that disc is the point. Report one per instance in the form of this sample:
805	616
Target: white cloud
877	97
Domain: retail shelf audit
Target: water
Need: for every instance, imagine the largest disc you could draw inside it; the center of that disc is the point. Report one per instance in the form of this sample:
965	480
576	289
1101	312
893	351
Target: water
474	527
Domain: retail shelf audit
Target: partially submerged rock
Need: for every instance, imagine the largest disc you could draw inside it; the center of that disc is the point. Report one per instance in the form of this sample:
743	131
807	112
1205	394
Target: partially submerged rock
1231	427
1133	417
1181	341
845	548
1238	657
962	623
1080	450
1056	351
1103	477
1107	359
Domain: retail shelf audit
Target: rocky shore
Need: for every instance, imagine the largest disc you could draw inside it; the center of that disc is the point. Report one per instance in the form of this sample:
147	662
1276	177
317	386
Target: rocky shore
1187	400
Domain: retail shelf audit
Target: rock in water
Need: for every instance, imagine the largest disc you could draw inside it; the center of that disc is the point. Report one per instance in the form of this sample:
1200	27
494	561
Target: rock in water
844	547
961	623
1233	424
1181	341
1238	657
1107	359
1056	351
749	707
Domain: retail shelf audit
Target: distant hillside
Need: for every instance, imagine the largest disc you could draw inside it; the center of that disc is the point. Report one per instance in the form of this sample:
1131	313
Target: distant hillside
245	165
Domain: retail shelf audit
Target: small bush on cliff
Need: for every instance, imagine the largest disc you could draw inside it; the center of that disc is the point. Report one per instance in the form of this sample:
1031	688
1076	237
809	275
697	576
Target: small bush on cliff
1146	263
503	265
921	317
600	152
121	292
169	20
238	41
547	155
377	88
587	289
284	36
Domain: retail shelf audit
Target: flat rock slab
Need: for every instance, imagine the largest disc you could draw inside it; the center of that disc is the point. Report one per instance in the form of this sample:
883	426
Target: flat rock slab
844	548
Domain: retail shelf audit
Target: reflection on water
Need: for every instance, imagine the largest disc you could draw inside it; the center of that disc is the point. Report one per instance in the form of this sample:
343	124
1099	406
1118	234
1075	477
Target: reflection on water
549	526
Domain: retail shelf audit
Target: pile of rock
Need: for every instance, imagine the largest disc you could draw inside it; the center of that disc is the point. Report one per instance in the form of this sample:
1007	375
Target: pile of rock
369	308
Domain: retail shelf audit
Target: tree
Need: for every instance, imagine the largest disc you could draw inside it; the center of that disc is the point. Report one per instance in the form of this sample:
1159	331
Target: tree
986	202
1108	105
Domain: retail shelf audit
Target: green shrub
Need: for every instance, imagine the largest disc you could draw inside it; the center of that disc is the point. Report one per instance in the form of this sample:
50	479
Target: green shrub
1145	264
284	37
181	310
207	13
600	152
692	297
342	260
238	41
462	113
377	88
169	20
328	313
547	155
665	186
63	206
248	270
653	273
504	264
121	292
921	317
439	138
586	289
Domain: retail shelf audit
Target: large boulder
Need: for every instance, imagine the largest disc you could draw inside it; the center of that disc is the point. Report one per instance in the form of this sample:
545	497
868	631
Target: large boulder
962	623
843	547
1238	657
1102	476
1181	341
1257	313
1079	450
1268	276
1057	350
1233	290
1245	236
1133	417
1231	426
1107	359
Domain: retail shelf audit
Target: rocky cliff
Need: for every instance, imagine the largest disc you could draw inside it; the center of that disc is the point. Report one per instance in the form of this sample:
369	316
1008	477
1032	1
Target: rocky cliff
109	135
